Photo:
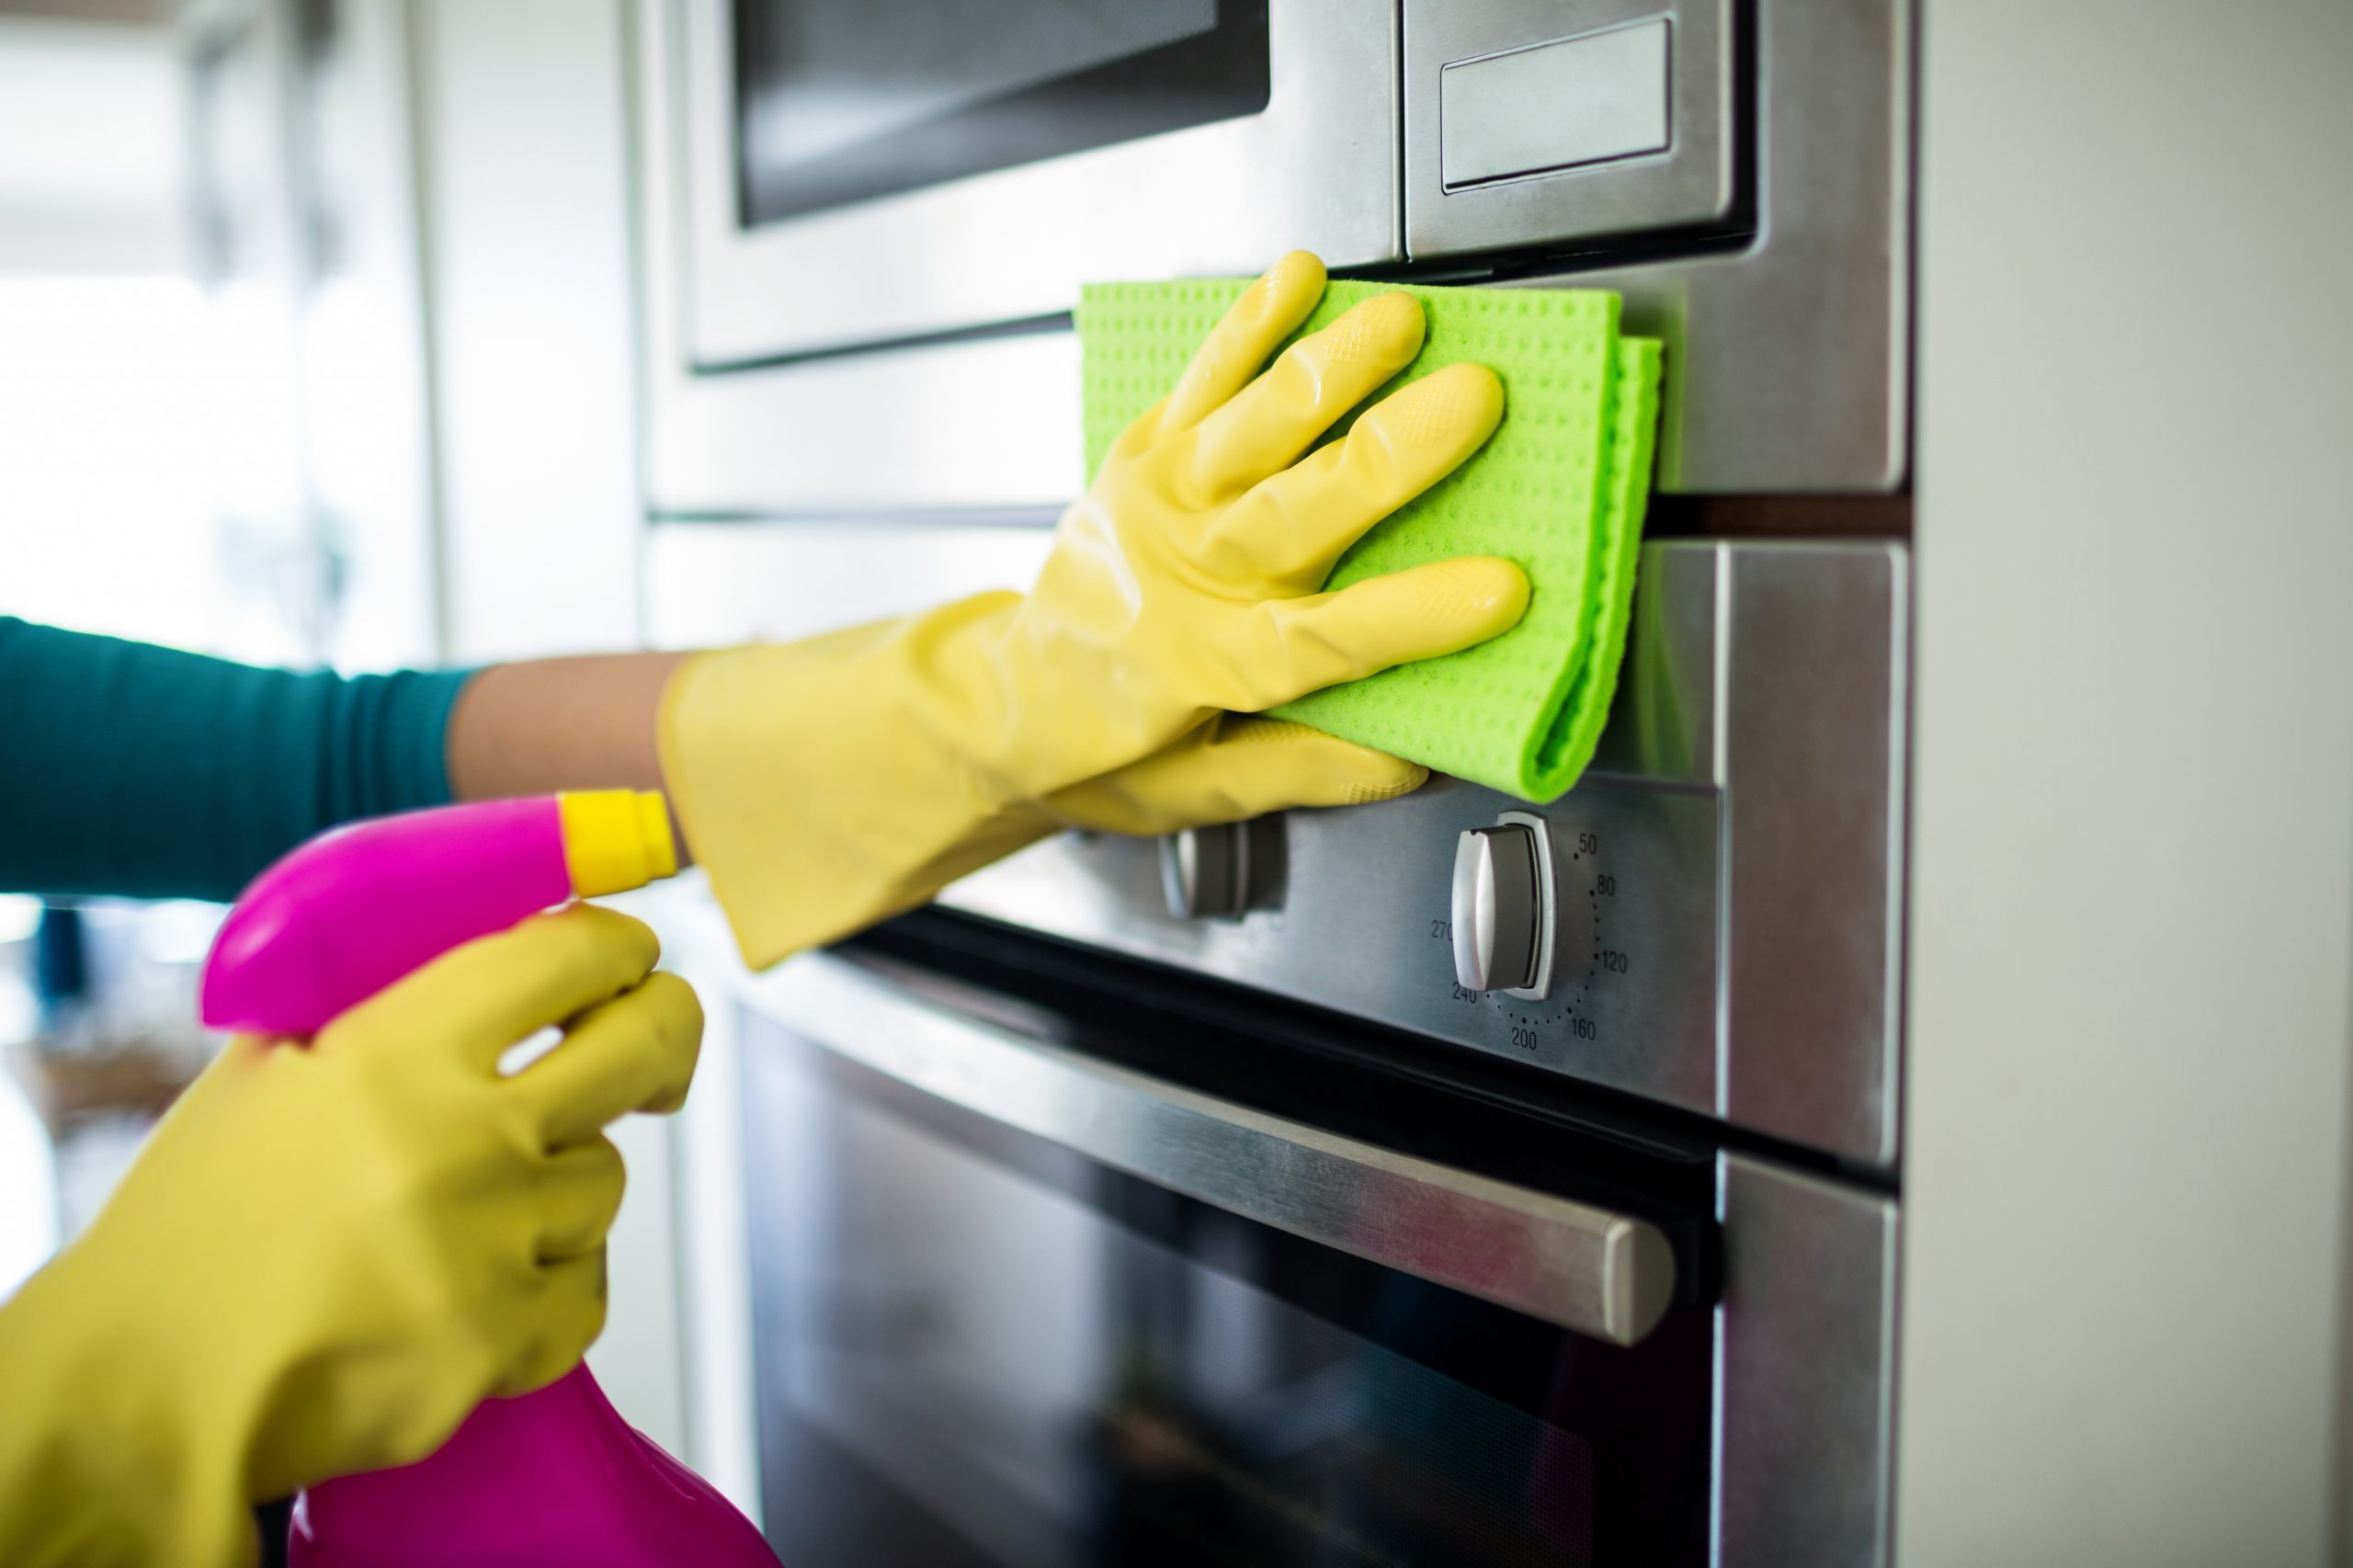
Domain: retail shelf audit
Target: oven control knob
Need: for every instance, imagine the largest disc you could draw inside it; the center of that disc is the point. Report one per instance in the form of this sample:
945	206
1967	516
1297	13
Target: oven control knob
1205	872
1498	908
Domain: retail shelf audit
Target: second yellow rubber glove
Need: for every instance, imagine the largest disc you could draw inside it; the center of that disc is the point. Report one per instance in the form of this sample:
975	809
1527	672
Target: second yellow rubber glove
829	783
327	1254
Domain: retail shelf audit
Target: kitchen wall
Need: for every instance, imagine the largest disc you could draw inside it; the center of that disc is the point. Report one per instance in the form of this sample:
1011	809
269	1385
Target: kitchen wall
524	160
2132	921
523	169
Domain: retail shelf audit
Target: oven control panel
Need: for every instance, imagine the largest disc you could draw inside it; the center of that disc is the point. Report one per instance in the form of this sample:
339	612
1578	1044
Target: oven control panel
1707	918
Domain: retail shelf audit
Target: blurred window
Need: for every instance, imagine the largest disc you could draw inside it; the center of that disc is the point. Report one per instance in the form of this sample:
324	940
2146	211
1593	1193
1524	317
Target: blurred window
109	411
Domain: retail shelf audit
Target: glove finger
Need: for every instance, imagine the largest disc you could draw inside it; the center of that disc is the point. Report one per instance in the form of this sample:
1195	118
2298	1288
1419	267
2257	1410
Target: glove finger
562	1322
578	1193
1295	525
485	997
1302	395
1287	648
1231	769
1253	326
636	1053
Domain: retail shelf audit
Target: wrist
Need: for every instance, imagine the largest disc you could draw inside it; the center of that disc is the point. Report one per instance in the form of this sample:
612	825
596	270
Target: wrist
585	722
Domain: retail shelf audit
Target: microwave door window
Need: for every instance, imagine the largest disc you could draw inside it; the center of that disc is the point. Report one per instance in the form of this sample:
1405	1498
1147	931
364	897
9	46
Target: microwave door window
840	101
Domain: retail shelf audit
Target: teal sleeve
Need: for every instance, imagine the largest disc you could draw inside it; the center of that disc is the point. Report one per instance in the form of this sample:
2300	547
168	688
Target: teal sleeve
137	770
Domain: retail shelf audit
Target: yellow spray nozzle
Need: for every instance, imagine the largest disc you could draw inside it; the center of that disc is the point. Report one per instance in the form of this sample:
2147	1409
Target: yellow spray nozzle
616	839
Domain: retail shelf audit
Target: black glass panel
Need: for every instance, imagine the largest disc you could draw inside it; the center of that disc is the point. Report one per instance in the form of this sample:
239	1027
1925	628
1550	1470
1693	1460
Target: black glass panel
840	101
975	1347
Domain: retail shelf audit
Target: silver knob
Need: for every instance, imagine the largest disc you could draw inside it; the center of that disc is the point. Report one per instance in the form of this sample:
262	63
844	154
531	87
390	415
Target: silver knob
1498	909
1205	872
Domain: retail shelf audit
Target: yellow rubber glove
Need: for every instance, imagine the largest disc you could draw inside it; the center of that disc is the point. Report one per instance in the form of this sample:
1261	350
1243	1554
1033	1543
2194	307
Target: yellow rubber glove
829	783
1234	767
325	1258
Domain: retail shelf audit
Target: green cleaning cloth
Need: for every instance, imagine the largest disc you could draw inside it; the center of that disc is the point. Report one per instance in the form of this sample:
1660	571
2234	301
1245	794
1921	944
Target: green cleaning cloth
1559	489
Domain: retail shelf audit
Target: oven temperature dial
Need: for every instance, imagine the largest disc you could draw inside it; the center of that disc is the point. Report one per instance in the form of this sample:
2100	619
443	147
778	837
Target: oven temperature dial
1502	907
1205	872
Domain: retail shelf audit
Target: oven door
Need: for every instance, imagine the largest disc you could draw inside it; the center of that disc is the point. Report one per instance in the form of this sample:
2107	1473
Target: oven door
1032	1286
972	163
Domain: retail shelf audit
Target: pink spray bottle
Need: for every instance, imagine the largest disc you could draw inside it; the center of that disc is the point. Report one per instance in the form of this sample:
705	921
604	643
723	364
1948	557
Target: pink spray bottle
555	1477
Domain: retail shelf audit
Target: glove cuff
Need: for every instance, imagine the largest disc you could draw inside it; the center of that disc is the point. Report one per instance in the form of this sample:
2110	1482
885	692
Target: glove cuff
101	1461
827	784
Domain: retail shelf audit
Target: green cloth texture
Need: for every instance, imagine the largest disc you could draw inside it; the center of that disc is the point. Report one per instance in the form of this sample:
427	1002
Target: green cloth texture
1559	489
145	772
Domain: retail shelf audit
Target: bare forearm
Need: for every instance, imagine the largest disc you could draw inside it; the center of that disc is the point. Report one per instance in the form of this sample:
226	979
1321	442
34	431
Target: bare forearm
586	723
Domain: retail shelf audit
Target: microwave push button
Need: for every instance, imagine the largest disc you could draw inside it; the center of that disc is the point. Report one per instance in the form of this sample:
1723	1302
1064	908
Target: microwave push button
1499	925
1557	106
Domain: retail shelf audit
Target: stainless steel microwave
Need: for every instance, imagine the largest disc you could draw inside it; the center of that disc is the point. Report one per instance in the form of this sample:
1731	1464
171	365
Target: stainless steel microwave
830	197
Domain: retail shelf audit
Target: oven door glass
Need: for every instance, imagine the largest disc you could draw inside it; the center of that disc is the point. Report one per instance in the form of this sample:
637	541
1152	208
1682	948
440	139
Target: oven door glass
977	1347
832	107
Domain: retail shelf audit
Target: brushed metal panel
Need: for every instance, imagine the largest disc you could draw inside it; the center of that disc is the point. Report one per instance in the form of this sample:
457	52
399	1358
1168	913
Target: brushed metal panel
1728	872
709	584
1691	181
1815	725
1663	719
1353	907
1359	922
1788	357
1805	1398
989	423
1551	106
1317	169
1787	354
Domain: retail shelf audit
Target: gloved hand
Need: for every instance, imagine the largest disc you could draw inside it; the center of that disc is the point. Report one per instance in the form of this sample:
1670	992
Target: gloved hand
325	1256
829	783
1232	768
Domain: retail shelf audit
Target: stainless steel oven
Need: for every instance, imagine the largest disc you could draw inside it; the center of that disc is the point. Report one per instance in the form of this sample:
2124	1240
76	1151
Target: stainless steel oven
1200	1192
1068	1268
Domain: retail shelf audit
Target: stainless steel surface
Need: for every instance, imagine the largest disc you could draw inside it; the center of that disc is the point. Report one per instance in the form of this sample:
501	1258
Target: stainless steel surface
1691	181
1788	357
1588	1270
1316	168
1554	105
1787	350
1730	863
1806	1381
982	424
1205	872
1815	702
1728	942
1363	927
708	584
1496	918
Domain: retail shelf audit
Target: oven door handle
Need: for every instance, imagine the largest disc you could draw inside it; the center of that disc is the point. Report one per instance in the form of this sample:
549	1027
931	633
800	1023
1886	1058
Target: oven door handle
1600	1273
